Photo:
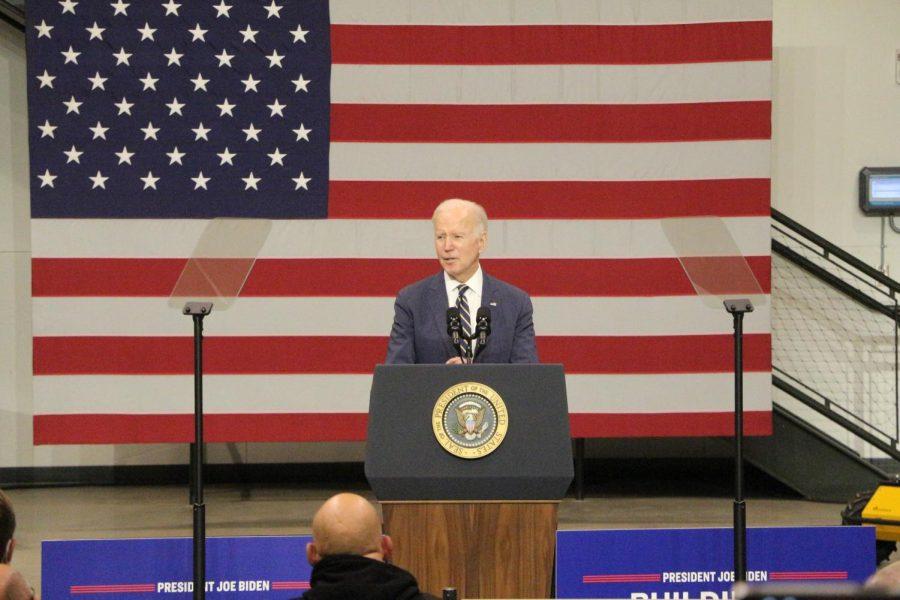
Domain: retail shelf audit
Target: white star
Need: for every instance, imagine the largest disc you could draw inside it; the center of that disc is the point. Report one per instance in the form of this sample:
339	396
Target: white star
124	155
99	181
175	107
120	8
300	34
198	33
150	131
226	107
68	6
99	131
275	59
251	181
175	156
124	106
249	34
302	133
273	10
200	181
199	82
250	83
277	108
224	58
97	81
72	155
277	158
252	133
71	56
222	10
43	29
72	105
122	57
46	79
174	57
149	180
226	157
47	129
171	8
301	181
47	178
300	83
200	131
147	32
149	82
96	31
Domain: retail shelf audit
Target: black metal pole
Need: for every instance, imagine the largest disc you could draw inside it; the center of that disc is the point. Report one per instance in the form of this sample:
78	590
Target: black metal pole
197	466
740	507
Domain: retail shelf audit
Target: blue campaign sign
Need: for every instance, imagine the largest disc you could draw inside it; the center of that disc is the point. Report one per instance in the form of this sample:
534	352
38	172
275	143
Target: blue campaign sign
245	567
675	564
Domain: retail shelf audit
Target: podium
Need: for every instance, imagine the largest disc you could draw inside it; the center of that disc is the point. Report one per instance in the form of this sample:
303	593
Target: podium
469	463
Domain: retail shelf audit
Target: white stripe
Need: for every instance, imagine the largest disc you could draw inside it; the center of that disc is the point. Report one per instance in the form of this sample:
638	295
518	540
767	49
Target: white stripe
549	162
371	238
344	316
558	84
260	394
546	12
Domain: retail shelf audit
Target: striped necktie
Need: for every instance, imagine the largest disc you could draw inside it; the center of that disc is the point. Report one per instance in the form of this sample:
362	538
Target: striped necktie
463	306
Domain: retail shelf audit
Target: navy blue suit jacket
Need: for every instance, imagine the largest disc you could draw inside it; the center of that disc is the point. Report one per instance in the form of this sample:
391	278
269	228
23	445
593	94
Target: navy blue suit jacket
419	334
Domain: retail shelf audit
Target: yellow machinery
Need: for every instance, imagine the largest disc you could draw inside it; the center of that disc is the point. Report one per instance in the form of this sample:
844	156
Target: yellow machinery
880	508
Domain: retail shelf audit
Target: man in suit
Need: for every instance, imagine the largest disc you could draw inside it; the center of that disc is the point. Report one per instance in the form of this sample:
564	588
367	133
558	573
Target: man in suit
419	333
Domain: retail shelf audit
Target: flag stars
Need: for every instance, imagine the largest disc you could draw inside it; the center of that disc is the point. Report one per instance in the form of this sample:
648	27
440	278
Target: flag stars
277	158
200	181
249	34
96	32
47	178
124	106
72	105
273	10
302	133
98	180
175	156
150	131
174	57
251	181
197	33
175	107
149	82
73	155
149	181
68	6
301	84
99	131
222	10
201	132
124	156
171	8
299	34
97	81
43	29
122	57
120	8
275	59
70	55
224	58
147	32
277	108
199	82
250	83
252	133
46	79
47	129
226	157
226	108
301	181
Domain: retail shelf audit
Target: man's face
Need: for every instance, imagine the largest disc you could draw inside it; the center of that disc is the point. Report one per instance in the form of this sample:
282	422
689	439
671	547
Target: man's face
458	242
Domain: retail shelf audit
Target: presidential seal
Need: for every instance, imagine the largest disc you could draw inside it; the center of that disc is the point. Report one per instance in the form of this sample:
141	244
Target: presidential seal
470	420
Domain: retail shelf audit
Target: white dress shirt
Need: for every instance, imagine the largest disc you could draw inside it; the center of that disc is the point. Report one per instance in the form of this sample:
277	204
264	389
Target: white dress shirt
473	296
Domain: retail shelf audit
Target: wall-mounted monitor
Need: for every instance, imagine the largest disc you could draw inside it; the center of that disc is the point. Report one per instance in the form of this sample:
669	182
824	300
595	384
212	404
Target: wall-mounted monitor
879	190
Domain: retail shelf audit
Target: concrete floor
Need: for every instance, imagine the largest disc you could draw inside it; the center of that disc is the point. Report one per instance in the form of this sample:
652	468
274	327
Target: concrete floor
135	511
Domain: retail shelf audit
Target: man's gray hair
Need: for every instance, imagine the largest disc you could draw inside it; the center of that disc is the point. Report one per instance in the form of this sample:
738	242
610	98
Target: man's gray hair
476	209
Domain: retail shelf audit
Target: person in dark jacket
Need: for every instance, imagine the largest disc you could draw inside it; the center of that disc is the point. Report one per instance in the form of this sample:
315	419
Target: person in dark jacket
351	558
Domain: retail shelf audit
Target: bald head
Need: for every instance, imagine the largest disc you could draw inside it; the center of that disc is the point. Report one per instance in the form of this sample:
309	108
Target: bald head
347	524
886	578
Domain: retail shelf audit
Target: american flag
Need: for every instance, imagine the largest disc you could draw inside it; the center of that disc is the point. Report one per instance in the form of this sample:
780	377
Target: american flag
578	124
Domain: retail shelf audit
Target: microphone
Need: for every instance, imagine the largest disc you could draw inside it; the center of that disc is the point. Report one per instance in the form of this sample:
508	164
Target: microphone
454	326
483	325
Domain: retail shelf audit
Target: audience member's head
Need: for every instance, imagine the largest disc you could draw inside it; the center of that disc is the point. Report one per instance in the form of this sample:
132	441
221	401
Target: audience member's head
348	524
887	578
7	529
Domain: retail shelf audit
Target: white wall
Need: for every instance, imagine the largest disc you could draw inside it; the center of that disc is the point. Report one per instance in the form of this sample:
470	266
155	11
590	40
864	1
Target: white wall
836	109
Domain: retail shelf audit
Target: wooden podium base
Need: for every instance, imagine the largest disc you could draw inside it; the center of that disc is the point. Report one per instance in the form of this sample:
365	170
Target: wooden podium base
483	549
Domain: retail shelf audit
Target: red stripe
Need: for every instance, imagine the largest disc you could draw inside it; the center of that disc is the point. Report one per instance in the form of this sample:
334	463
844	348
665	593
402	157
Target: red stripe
144	355
621	425
554	199
600	123
551	44
110	277
313	427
